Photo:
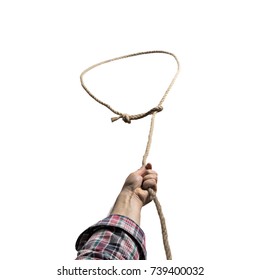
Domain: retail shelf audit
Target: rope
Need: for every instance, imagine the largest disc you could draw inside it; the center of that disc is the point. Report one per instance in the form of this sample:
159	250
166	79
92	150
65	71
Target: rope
128	118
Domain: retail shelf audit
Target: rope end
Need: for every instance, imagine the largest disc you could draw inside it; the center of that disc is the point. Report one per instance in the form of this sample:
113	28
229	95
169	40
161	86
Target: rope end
125	117
114	119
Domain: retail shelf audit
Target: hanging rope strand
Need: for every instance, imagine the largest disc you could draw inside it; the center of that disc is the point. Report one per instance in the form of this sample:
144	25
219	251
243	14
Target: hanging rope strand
127	118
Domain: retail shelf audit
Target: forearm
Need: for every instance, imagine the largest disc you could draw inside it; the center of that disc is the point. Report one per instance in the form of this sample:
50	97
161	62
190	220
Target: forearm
129	205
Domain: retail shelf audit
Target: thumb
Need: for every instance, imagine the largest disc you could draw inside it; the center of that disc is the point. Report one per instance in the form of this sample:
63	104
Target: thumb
148	166
141	171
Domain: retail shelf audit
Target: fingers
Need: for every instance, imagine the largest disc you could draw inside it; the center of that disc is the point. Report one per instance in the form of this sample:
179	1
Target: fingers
150	181
150	178
152	175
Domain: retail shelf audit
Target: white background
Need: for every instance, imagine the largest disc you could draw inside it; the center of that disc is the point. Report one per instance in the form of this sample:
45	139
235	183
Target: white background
63	162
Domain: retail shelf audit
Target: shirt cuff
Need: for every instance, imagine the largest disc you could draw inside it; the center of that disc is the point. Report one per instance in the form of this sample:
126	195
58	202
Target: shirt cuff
118	221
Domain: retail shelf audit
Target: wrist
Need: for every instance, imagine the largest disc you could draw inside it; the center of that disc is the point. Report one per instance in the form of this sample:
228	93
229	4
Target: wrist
128	204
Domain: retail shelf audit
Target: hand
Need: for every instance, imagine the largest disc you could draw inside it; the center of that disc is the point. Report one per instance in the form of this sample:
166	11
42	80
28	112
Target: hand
138	183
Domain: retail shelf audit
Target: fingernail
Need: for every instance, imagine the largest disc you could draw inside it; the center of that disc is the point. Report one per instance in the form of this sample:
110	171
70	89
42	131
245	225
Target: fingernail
148	166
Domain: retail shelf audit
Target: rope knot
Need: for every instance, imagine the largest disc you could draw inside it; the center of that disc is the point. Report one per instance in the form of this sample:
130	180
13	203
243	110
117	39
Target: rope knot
158	108
126	118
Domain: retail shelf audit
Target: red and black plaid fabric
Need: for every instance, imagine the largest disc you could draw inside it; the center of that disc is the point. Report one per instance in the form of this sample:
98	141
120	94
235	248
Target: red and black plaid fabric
113	238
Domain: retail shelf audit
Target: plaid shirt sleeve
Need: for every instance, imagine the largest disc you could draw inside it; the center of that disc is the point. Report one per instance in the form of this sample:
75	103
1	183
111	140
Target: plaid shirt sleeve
113	238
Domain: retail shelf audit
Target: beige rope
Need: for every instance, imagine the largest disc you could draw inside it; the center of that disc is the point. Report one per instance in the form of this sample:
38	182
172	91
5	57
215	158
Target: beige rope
127	118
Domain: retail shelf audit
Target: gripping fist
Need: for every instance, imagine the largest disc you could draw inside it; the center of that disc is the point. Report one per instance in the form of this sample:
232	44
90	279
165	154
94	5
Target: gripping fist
140	181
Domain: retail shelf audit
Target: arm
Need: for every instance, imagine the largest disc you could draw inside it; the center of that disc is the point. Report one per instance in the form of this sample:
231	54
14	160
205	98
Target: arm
119	237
